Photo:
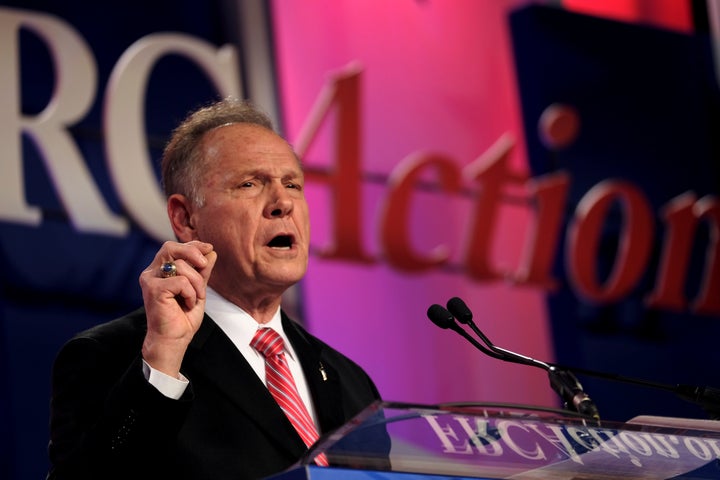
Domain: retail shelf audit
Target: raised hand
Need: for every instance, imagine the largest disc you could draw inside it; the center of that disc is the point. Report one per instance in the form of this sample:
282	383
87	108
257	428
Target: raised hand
174	301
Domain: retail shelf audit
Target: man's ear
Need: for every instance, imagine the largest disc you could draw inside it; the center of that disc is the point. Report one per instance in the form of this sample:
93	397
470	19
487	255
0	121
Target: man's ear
180	211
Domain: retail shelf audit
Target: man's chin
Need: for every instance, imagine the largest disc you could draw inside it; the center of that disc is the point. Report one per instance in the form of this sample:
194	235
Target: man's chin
285	277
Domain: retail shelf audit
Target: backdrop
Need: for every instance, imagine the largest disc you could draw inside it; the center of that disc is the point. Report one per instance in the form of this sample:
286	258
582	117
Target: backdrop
552	167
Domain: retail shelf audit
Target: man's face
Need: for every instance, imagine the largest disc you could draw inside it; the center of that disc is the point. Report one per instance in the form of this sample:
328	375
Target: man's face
255	213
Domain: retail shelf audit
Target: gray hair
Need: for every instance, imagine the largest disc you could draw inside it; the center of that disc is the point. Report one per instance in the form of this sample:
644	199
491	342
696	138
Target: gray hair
182	162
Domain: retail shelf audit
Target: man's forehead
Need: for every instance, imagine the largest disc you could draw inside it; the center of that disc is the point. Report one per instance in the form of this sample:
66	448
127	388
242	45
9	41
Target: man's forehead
248	137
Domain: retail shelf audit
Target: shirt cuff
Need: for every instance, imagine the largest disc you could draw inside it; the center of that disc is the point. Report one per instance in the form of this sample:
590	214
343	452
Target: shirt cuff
169	386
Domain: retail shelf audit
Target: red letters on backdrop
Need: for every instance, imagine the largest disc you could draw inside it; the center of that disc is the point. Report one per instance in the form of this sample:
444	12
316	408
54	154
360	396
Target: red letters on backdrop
546	198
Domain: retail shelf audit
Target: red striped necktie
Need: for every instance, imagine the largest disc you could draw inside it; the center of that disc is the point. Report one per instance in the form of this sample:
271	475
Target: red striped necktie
282	386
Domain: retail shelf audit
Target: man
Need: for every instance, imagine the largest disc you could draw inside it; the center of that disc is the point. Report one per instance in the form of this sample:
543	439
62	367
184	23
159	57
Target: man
175	390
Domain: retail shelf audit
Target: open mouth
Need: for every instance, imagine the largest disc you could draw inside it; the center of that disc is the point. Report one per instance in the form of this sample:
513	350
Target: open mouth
283	242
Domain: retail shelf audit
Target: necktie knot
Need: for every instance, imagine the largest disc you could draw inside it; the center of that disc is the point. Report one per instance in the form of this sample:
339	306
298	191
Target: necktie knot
268	342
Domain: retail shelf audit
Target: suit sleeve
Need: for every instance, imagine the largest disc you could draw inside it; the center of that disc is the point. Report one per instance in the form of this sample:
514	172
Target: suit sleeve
106	419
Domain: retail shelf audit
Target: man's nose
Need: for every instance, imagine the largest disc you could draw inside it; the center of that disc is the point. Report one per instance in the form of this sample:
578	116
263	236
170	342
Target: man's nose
280	203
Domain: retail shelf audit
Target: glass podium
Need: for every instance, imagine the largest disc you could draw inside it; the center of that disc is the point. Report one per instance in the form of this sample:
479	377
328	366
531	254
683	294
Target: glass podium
498	441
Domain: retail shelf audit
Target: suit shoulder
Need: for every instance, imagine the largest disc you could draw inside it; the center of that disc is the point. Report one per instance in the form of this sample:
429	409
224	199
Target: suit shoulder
120	333
101	351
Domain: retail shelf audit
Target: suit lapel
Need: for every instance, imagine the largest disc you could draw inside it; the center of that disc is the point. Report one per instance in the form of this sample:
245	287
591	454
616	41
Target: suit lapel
322	379
213	356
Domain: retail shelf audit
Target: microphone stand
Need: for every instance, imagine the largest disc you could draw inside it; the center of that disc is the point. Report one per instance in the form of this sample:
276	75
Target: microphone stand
564	382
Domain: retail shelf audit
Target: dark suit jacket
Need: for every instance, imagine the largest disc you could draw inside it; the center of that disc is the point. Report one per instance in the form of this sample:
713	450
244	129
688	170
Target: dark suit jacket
107	421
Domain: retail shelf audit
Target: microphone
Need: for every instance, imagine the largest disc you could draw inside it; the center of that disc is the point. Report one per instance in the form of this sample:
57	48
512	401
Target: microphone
440	317
562	381
462	313
444	319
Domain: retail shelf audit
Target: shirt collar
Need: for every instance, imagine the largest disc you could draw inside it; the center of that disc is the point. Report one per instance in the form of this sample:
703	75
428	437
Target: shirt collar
238	324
